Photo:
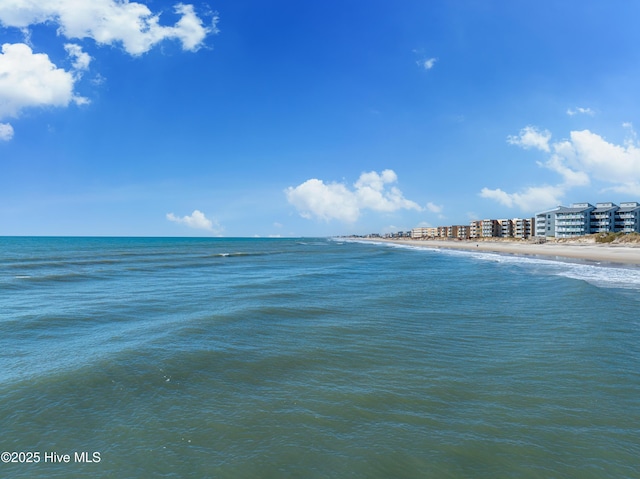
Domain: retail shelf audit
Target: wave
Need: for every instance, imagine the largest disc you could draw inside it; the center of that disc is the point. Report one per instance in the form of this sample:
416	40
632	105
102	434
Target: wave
598	274
606	275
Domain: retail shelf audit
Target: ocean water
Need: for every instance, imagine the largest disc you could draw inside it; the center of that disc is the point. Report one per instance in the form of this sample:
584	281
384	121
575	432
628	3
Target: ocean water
313	358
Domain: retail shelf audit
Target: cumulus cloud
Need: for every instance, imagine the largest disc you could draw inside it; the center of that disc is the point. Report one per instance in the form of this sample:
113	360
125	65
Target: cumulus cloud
531	137
327	201
197	220
532	198
80	59
582	158
30	79
6	132
109	22
581	111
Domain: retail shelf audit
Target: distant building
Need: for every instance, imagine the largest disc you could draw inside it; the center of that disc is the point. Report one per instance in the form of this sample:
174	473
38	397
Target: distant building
574	220
562	222
523	228
475	229
603	218
418	233
506	228
490	228
462	232
545	223
583	218
627	218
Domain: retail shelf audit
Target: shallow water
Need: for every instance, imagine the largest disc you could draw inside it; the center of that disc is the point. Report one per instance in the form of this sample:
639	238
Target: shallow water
314	358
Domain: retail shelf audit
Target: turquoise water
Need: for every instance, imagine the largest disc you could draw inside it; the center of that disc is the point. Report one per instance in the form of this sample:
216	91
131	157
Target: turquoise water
273	358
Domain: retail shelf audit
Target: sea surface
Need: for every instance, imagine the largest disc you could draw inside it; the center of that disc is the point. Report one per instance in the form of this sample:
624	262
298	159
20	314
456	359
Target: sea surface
313	358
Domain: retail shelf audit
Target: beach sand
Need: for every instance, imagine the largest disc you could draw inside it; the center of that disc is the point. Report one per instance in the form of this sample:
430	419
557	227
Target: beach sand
608	253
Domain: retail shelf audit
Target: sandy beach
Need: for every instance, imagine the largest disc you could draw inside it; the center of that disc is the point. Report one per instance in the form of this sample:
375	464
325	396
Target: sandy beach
608	253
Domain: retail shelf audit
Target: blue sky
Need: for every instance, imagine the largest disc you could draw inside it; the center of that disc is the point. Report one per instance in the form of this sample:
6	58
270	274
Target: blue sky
308	118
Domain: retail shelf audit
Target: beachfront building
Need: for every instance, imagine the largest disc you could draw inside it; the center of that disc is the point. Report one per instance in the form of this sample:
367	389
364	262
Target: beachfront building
583	218
463	232
627	217
603	218
506	228
490	228
562	222
574	220
545	223
523	228
475	229
419	233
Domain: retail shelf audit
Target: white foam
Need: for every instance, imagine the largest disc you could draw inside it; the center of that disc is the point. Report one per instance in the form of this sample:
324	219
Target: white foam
596	273
603	275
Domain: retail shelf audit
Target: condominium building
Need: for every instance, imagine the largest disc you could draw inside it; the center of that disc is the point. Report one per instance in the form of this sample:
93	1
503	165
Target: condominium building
463	232
603	218
490	228
475	229
419	233
506	228
545	223
563	222
627	218
583	218
574	220
523	227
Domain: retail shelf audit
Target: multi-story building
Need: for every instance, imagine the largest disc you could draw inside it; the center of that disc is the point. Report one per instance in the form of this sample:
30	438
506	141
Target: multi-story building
523	227
463	232
422	232
563	222
573	221
490	228
627	217
506	228
475	229
603	218
583	218
545	223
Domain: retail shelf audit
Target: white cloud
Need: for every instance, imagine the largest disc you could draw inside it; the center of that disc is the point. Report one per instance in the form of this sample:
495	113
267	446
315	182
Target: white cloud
30	79
557	163
531	137
580	160
606	161
581	111
530	199
109	22
434	208
327	201
80	59
427	64
6	131
197	220
324	201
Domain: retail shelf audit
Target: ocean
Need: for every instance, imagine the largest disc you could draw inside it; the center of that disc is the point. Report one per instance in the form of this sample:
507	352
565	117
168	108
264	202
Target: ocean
313	358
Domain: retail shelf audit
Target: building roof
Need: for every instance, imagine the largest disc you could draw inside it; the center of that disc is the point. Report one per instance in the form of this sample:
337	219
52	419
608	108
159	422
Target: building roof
626	209
550	211
576	209
604	209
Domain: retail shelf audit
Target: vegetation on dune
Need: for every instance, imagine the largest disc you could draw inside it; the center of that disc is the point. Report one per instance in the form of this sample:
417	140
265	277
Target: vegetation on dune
619	237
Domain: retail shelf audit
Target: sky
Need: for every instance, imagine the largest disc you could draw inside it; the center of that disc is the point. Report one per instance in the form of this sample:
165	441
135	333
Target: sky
311	118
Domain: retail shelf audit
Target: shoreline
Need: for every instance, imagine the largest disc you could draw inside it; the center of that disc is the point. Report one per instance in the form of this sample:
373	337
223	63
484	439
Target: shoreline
601	253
